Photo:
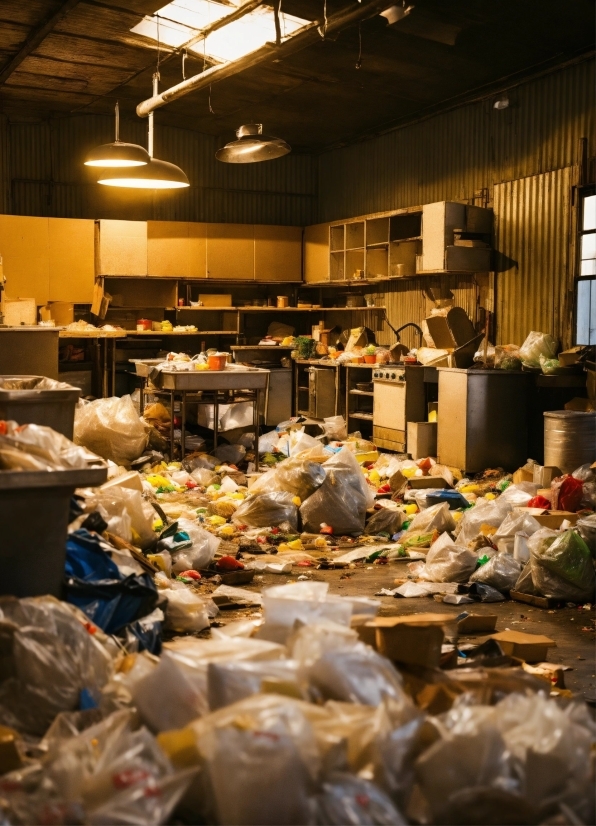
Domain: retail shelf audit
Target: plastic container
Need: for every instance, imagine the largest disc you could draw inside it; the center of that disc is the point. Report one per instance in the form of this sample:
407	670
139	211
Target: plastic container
569	439
34	510
54	407
218	362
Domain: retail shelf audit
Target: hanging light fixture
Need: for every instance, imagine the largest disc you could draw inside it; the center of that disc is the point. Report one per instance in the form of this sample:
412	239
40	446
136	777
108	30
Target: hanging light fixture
252	146
117	154
155	174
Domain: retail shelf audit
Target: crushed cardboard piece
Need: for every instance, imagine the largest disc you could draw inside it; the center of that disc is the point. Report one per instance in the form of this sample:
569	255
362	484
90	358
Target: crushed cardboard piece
530	648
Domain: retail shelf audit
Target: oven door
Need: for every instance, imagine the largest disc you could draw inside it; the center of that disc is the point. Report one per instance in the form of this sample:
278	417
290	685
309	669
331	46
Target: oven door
390	405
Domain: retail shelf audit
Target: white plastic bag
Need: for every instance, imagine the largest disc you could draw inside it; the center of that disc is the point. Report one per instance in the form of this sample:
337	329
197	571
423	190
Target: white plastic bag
111	428
350	800
536	345
186	611
501	572
449	563
436	518
200	554
126	511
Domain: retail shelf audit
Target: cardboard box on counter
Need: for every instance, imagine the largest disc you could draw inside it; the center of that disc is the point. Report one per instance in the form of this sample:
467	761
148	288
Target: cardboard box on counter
571	356
415	639
60	312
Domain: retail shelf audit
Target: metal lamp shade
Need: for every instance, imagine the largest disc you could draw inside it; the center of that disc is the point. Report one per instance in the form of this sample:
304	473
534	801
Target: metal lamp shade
154	175
117	155
252	146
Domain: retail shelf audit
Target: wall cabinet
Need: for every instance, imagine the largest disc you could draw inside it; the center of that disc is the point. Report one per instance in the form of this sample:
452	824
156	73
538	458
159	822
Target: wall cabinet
25	251
435	238
71	270
316	253
230	252
176	249
121	247
278	253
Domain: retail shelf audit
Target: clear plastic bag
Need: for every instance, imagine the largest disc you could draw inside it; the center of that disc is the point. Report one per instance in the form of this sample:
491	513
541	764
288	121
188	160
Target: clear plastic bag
303	602
535	346
562	566
343	498
49	657
125	511
348	800
233	681
355	674
186	610
201	553
507	357
385	520
450	563
267	510
111	428
295	475
587	530
501	571
484	512
550	367
436	518
36	447
335	428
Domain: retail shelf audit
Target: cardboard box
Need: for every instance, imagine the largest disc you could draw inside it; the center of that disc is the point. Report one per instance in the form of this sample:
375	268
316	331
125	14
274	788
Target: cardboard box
522	475
477	623
571	356
422	439
531	648
216	300
544	475
582	405
20	311
365	629
415	639
553	519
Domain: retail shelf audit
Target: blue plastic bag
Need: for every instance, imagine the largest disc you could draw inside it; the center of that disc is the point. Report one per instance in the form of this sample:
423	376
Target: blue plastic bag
94	583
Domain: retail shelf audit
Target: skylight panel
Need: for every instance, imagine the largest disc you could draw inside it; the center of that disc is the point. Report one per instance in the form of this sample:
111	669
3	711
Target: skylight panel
182	20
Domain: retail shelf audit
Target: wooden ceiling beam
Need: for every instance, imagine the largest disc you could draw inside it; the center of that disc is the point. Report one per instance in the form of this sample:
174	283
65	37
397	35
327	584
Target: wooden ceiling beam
36	36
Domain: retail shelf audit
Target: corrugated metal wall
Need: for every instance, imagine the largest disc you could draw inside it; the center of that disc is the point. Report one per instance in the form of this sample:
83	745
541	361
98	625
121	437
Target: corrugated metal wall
533	230
453	155
522	158
42	173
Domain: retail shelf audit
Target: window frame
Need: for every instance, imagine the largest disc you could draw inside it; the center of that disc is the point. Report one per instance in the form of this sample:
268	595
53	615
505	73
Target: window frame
583	193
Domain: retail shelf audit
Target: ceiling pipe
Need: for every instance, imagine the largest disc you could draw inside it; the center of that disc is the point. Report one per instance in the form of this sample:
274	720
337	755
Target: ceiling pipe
304	37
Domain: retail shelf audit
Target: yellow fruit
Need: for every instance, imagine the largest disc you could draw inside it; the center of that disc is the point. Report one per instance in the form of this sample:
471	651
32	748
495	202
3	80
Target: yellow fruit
216	520
283	548
411	509
296	545
227	530
469	489
490	496
320	542
374	477
408	472
297	501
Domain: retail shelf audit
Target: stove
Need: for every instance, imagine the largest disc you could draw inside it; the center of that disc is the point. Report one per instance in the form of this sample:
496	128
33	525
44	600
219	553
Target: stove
393	373
399	398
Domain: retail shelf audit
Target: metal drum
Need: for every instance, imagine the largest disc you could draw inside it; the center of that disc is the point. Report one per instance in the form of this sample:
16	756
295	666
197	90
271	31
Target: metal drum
569	439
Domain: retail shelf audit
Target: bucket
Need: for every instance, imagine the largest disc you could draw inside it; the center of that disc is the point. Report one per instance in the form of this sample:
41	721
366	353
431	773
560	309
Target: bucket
569	439
218	362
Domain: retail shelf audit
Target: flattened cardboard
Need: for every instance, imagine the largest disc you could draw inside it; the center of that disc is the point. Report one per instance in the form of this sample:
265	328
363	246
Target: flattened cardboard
531	648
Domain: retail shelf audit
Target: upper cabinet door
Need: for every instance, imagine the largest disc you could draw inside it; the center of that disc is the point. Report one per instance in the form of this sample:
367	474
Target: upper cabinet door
316	253
278	253
72	273
121	247
197	240
168	249
231	252
25	251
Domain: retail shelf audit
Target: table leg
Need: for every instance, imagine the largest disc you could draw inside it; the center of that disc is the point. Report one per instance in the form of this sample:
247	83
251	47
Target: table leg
142	397
183	426
113	367
104	386
171	425
215	420
255	421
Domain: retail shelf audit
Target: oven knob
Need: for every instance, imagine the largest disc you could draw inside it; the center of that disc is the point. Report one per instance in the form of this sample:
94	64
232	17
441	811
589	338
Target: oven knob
393	375
386	375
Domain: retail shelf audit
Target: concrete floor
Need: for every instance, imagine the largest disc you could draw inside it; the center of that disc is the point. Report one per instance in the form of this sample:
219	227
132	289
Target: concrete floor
573	629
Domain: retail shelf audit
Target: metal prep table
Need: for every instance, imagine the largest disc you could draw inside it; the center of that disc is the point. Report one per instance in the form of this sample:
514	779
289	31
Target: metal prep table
205	387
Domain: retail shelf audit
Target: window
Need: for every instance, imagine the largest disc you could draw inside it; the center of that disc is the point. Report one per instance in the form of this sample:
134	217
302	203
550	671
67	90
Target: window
585	315
183	20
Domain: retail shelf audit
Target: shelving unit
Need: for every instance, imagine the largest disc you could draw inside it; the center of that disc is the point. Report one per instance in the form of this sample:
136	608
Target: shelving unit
359	403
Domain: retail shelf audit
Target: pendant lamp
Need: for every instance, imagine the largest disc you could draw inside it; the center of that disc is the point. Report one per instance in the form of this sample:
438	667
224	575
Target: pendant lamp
155	174
117	154
252	146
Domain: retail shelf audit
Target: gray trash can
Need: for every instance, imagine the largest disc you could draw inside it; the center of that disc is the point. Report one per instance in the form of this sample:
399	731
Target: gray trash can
34	509
39	400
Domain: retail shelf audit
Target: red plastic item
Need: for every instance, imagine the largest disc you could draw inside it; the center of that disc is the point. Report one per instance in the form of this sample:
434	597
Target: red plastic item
384	489
190	575
425	464
3	428
191	484
326	529
539	502
570	492
228	563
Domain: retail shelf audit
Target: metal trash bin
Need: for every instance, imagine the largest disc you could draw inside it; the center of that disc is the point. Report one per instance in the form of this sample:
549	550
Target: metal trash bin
34	510
569	439
39	400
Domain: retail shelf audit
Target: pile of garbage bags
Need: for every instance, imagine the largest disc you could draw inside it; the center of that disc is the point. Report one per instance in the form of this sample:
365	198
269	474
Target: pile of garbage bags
288	720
